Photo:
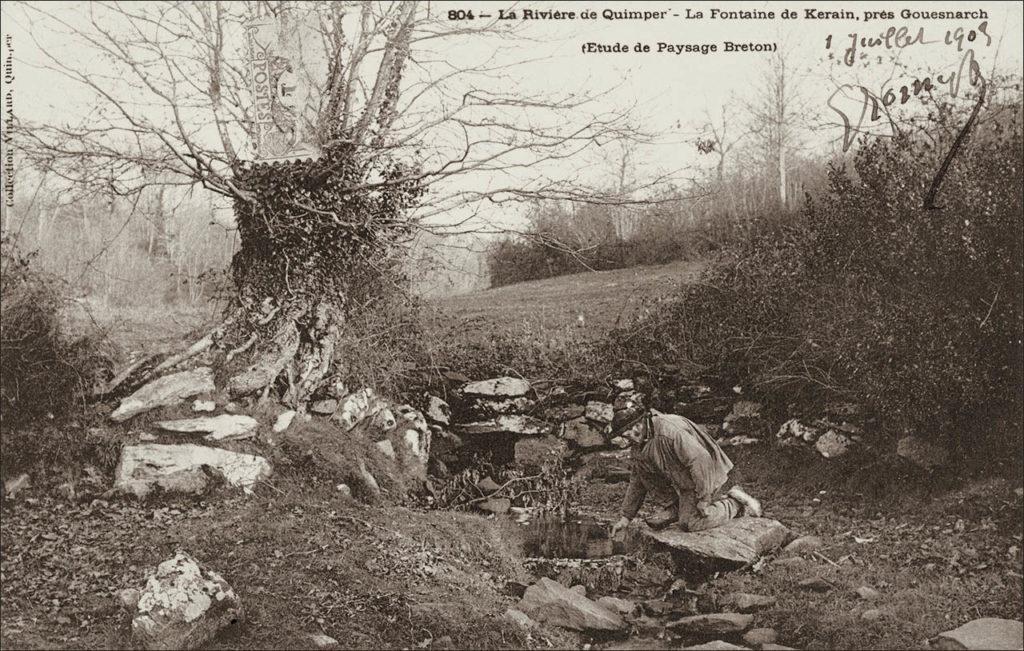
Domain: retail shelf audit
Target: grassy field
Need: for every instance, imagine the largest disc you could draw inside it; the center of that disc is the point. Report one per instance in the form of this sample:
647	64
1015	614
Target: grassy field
601	298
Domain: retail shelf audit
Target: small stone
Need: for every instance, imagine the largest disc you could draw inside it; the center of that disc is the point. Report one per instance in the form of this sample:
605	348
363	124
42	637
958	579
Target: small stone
803	545
344	490
745	602
438	411
487	485
623	385
712	624
871	615
129	598
715	645
760	636
386	448
868	594
984	633
620	442
816	584
832	444
324	407
146	437
599	412
579	589
13	486
520	618
284	421
203	405
321	641
233	408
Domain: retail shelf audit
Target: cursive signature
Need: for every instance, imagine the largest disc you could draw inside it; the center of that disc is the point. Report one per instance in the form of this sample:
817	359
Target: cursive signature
871	105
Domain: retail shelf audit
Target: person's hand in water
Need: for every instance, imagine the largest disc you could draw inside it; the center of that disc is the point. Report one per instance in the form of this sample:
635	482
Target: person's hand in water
621	524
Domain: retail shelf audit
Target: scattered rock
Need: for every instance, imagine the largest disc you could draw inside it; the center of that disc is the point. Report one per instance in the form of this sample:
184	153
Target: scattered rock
582	433
183	606
984	633
803	545
344	490
871	615
736	441
760	636
599	412
225	427
165	391
815	584
203	405
536	452
487	407
922	452
497	506
563	413
737	543
487	485
515	425
579	589
793	428
180	468
386	448
357	407
868	594
623	385
284	421
832	444
552	603
233	408
129	598
384	420
715	645
321	641
628	401
621	606
745	602
745	418
519	617
502	387
438	411
711	624
13	486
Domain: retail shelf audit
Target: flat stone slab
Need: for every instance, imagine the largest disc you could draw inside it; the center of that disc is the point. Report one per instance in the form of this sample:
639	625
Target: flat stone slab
225	427
165	391
984	633
733	545
505	425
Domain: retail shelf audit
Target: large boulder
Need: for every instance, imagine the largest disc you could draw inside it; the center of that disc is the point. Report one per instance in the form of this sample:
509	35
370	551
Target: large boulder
552	603
183	468
183	606
499	387
984	633
225	427
922	452
165	391
733	545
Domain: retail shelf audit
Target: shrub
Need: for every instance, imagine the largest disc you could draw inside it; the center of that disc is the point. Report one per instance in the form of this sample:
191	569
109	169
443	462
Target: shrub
871	297
43	370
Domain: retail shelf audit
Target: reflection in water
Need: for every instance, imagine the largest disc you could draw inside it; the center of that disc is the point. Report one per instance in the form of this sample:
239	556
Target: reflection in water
556	538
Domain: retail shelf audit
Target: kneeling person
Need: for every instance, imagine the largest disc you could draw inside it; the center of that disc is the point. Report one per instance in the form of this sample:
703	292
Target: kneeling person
684	467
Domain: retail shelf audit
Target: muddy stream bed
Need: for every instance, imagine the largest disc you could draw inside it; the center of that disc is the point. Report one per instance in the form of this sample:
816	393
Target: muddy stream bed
580	551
